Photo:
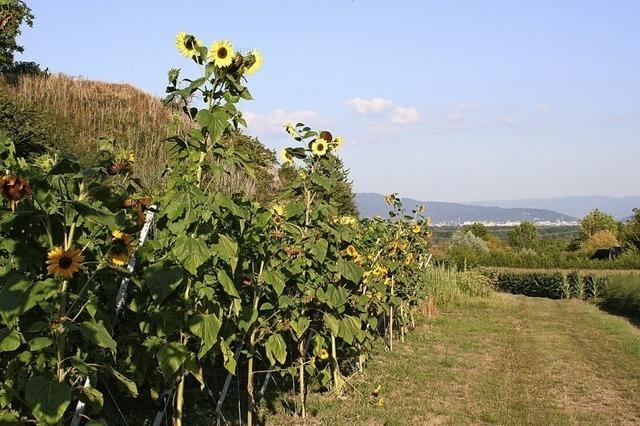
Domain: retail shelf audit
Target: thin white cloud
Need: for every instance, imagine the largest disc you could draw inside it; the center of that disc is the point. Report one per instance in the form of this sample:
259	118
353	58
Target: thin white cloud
456	121
543	108
272	123
402	115
380	132
368	106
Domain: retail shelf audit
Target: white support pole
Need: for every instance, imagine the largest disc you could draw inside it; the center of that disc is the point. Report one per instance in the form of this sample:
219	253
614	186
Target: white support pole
120	301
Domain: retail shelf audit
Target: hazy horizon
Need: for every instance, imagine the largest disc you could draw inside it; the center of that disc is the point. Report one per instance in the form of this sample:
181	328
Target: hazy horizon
451	101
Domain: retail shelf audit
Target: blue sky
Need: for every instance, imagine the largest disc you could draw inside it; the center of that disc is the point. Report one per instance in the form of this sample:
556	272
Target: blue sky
438	100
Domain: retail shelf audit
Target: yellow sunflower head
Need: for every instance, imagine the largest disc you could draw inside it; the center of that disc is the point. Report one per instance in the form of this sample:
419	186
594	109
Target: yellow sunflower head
323	354
319	147
337	142
389	198
351	251
285	157
255	63
121	250
278	209
221	53
416	229
63	263
188	45
290	128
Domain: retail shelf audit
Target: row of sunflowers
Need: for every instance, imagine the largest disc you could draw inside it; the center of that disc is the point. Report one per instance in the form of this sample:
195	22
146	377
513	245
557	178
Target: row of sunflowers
292	293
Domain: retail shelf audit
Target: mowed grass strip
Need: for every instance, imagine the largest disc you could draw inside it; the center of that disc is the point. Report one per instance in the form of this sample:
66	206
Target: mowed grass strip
501	360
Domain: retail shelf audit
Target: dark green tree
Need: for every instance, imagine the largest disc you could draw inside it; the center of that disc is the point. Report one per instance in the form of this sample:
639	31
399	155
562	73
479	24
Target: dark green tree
523	236
477	229
631	231
597	221
13	14
343	192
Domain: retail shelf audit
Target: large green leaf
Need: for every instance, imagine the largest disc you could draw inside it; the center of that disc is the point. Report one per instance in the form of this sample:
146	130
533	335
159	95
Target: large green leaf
171	356
332	323
276	349
20	295
206	327
275	279
227	284
247	317
93	398
319	250
162	279
336	295
10	339
129	384
350	270
99	335
300	325
228	250
191	252
48	400
93	214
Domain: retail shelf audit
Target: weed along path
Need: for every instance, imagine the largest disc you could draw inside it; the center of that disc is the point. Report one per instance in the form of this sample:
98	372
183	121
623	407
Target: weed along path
501	360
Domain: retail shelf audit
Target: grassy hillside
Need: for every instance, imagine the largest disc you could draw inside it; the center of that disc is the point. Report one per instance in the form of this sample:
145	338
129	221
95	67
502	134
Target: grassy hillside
70	114
503	360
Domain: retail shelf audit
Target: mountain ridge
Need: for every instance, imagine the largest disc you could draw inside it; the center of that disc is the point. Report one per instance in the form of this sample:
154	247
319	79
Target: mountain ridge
574	205
372	204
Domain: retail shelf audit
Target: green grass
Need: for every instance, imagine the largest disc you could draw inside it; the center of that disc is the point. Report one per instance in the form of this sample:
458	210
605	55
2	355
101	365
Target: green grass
501	360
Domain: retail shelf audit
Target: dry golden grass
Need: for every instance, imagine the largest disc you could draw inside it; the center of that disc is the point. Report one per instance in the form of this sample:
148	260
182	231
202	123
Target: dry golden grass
137	120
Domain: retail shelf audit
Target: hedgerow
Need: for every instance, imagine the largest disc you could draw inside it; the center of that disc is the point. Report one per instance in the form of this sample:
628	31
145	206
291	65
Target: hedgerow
294	288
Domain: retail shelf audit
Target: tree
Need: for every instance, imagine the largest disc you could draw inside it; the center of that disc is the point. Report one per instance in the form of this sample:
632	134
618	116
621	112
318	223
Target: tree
597	221
477	229
523	236
343	192
466	238
13	14
631	231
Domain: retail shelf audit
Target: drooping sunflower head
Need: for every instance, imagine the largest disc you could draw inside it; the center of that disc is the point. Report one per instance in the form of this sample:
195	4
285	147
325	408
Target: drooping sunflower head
221	53
121	249
337	142
351	251
319	147
326	135
15	189
255	62
285	157
63	263
188	45
323	354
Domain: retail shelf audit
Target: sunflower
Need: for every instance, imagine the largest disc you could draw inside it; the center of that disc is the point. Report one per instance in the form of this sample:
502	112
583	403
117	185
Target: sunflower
187	45
131	157
121	250
290	128
319	147
278	209
15	189
389	198
323	354
376	391
256	63
286	157
351	251
64	263
221	53
337	142
416	229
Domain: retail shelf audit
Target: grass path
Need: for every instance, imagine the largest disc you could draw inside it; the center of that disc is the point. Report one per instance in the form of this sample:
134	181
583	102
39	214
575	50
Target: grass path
502	360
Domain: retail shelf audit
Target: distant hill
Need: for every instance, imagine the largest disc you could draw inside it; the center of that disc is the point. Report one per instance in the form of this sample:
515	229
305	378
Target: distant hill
577	206
371	204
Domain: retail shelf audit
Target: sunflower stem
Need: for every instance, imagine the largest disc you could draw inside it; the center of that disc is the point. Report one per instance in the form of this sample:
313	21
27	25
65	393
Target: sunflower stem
62	312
